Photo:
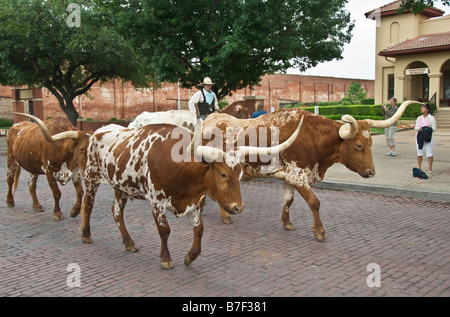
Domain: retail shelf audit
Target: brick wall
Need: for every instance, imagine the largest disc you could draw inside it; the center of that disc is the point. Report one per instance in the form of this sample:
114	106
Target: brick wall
296	88
123	101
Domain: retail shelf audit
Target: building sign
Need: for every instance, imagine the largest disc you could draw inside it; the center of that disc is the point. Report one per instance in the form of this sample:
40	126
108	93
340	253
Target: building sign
295	96
417	71
26	94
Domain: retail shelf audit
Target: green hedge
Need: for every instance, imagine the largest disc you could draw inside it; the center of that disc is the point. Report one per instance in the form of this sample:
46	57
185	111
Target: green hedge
6	122
368	101
412	111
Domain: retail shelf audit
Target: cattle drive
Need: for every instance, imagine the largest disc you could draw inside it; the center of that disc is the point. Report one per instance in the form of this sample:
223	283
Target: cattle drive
28	149
137	163
323	143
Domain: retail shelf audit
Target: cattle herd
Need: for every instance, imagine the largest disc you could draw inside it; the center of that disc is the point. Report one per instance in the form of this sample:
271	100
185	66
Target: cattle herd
173	160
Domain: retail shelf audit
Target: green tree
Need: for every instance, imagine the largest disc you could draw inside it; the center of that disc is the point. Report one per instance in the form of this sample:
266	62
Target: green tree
41	44
418	6
355	92
235	42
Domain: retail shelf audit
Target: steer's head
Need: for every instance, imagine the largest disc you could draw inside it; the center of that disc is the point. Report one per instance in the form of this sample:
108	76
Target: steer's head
222	181
356	150
81	147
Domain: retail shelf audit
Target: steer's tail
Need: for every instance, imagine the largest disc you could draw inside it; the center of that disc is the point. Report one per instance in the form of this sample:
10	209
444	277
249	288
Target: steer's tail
16	179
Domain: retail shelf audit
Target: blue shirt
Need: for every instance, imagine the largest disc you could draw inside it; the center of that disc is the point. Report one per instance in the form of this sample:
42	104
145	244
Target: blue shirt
256	114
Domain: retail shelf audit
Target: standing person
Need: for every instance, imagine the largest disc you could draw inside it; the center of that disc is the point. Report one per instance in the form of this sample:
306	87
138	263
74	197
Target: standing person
31	107
205	99
387	112
425	126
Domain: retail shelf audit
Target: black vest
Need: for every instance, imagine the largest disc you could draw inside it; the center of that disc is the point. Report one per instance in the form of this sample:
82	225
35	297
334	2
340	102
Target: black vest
204	107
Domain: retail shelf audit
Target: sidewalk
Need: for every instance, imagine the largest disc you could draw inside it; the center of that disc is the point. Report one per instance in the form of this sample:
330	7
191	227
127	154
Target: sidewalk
393	174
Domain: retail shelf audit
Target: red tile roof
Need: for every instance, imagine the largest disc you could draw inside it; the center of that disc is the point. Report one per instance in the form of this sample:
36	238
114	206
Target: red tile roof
391	9
436	42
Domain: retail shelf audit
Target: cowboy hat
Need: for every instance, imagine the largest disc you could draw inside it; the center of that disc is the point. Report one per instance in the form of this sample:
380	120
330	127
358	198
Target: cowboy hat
207	81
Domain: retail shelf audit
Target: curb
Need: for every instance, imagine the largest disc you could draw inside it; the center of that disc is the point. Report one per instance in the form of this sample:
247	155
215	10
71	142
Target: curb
375	189
387	191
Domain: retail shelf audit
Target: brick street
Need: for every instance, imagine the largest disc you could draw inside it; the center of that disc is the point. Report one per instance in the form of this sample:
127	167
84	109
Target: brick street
253	257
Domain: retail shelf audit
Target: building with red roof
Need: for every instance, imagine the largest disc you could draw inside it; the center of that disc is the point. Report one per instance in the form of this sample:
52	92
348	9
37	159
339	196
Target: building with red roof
413	54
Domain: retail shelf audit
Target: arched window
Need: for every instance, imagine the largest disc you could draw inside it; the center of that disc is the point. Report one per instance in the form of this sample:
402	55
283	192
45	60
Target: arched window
446	79
395	30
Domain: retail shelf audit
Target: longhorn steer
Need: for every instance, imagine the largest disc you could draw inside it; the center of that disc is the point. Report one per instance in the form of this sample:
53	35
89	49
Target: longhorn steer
182	118
324	143
27	148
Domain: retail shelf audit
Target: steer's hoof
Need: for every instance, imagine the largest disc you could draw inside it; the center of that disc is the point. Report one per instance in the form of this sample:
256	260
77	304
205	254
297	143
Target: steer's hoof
38	208
87	240
74	212
227	220
187	260
320	235
58	216
167	265
289	226
10	204
131	248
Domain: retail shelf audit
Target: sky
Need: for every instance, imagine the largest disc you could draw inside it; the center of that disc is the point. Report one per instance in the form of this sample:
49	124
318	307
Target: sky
359	55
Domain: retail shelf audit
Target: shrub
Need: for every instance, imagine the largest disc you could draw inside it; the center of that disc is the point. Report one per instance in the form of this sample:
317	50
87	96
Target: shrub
368	101
362	111
348	101
6	122
356	92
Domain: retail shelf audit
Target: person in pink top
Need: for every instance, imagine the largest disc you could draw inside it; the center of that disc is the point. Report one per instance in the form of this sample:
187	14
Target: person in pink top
425	120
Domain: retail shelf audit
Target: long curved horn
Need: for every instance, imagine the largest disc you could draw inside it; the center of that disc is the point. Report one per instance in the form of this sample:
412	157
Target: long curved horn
349	129
210	154
394	118
48	136
272	150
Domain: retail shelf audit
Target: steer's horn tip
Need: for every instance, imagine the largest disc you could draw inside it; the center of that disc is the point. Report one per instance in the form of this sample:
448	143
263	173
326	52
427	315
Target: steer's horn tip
20	113
347	118
300	124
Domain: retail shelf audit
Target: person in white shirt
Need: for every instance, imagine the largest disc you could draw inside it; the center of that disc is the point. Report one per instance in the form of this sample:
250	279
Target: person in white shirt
425	120
205	99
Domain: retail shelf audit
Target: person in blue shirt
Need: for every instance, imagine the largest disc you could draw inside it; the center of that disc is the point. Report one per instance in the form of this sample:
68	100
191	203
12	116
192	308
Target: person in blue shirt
259	111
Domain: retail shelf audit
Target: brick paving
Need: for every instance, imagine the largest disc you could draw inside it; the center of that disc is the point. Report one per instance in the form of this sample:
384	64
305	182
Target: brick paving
253	257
